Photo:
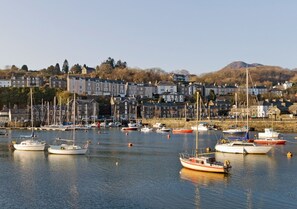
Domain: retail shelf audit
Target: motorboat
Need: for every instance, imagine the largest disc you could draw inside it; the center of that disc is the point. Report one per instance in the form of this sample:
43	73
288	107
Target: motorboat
268	133
182	131
163	130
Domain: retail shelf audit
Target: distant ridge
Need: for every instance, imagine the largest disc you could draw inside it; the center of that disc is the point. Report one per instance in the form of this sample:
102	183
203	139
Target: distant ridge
234	73
240	64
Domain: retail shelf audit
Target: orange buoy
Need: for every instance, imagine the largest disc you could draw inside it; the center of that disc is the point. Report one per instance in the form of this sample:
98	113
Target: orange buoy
130	144
289	154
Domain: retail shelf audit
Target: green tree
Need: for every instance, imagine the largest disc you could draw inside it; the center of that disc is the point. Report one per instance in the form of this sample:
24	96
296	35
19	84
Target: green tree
65	68
76	69
212	96
57	69
24	68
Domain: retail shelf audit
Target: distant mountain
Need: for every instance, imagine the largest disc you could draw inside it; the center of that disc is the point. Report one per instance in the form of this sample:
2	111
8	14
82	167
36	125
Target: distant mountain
234	73
240	64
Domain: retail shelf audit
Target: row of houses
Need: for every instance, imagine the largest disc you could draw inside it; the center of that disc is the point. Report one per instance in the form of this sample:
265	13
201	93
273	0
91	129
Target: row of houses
128	108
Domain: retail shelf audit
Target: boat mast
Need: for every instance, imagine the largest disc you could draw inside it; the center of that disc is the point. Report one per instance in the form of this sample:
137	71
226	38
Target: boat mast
32	115
197	105
60	110
236	109
54	110
247	99
74	115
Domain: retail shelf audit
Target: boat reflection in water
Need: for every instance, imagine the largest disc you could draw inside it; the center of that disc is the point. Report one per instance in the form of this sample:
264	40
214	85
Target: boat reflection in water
202	178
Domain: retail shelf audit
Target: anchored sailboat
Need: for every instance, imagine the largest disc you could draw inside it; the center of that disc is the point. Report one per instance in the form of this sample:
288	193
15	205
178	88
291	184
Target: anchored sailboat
203	162
31	143
72	148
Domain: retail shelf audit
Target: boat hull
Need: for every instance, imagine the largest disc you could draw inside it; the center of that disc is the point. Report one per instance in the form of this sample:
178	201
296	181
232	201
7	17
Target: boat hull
270	141
199	167
182	131
129	129
30	145
242	149
71	150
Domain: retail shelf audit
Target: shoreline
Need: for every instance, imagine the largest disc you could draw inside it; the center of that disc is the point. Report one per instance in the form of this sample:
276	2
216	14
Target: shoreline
284	126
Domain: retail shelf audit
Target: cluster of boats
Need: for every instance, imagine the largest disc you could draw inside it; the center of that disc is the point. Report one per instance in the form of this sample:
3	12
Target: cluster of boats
158	127
67	147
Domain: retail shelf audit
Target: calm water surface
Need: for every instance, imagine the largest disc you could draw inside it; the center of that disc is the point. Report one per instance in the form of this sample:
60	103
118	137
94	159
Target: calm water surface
146	175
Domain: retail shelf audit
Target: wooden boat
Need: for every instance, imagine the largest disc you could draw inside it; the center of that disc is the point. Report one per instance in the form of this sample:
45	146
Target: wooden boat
182	131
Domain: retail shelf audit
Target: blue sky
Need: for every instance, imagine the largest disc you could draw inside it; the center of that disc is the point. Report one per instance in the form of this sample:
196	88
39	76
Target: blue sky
199	36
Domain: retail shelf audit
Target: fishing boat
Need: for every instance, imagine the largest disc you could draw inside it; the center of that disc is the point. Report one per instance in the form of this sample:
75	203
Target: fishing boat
70	148
268	133
203	162
30	143
239	145
182	131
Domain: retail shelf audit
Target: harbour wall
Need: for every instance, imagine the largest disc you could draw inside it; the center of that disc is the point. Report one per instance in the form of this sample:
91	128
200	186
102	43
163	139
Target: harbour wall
284	126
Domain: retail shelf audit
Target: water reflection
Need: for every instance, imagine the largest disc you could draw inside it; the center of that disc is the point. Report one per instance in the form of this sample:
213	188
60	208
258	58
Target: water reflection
65	173
30	169
202	178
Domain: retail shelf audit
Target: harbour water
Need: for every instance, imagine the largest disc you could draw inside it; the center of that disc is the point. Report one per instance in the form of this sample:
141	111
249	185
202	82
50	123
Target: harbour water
146	175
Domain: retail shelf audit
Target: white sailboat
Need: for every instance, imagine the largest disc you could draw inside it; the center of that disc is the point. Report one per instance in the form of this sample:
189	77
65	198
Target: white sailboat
203	162
30	143
235	130
242	146
72	148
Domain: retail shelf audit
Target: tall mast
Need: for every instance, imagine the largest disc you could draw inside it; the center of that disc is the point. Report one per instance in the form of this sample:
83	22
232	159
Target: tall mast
74	115
60	110
236	109
197	105
32	114
247	99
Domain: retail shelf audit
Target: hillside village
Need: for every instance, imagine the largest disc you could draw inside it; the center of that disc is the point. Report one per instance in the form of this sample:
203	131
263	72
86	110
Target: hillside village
132	100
